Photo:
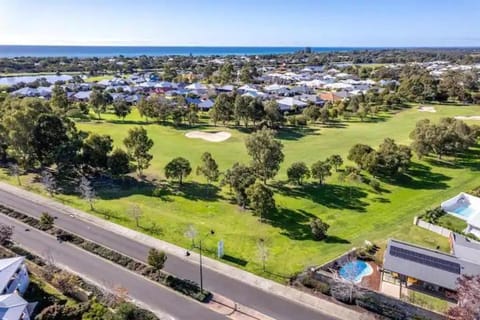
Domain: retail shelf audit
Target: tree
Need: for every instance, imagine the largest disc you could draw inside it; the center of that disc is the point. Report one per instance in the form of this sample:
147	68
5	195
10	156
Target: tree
468	296
319	229
87	191
49	134
178	168
336	161
156	258
226	73
191	234
14	170
266	153
260	199
255	110
262	252
358	152
6	233
95	150
136	213
297	172
59	99
273	116
449	137
392	159
192	115
145	108
118	162
320	170
121	108
46	221
240	112
138	144
48	182
98	102
222	109
169	72
239	178
208	168
312	113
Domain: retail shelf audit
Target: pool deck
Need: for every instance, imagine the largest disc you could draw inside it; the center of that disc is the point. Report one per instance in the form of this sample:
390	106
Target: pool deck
372	281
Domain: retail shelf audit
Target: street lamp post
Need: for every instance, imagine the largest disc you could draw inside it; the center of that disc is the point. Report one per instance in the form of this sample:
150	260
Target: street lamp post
201	263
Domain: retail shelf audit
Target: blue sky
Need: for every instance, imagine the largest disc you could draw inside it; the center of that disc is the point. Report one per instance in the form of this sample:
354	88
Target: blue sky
241	22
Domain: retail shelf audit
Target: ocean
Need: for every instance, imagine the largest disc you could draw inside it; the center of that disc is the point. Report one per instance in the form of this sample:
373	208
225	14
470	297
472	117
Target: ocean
11	51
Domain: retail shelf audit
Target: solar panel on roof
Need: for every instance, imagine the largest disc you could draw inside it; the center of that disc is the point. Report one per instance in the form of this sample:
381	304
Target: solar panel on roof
424	259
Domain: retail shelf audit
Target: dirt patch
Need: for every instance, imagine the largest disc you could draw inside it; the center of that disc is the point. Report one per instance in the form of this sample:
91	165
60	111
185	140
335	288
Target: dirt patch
427	109
209	136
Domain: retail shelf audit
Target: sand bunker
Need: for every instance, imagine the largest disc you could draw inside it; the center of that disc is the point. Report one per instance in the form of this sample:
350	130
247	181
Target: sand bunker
209	136
426	109
468	118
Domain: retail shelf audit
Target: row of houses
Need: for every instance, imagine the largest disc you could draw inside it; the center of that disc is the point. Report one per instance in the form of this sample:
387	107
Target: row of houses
14	281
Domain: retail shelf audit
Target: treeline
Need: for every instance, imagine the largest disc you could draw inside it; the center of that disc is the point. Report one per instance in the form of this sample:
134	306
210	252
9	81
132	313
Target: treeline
37	135
205	66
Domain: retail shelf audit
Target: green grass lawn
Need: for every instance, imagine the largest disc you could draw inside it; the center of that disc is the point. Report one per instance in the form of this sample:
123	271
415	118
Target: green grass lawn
427	301
452	223
355	212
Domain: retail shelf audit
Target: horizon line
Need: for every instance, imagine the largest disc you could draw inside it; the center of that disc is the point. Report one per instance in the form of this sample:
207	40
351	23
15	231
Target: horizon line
244	46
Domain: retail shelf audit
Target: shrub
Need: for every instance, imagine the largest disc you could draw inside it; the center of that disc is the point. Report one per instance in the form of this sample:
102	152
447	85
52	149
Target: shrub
432	215
319	229
156	258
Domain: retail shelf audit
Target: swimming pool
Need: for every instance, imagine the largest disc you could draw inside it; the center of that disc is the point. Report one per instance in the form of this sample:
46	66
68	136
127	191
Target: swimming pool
354	271
464	210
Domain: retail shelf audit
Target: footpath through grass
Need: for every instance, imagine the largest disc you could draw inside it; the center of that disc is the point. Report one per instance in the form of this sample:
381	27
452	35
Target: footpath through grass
354	211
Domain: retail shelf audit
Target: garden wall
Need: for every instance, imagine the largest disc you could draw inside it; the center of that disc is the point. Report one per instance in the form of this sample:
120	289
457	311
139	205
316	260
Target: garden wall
371	300
434	228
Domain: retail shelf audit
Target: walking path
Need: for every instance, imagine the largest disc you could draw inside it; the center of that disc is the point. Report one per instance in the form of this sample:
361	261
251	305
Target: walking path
328	308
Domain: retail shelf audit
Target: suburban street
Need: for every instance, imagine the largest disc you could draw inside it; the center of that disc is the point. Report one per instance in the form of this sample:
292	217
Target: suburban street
158	298
263	301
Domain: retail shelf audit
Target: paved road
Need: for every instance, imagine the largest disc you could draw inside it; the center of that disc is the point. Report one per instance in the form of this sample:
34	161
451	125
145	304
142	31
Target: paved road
157	298
265	302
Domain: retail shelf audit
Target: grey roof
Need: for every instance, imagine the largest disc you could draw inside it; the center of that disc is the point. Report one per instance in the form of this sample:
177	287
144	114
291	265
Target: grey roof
465	248
8	267
12	307
438	271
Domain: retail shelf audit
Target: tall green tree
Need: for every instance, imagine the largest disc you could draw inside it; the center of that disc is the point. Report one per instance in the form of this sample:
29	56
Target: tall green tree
273	116
96	149
239	178
59	100
49	134
121	108
98	102
119	162
179	168
227	73
138	145
298	172
336	161
321	170
260	199
208	168
222	109
266	153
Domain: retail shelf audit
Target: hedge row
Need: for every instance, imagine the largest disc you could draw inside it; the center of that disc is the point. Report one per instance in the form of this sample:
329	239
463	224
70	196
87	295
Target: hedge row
184	286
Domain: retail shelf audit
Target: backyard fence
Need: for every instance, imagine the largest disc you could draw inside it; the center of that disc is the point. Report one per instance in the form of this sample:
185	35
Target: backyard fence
432	227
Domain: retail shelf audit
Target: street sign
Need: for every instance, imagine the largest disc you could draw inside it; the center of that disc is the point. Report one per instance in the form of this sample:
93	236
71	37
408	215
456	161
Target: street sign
220	249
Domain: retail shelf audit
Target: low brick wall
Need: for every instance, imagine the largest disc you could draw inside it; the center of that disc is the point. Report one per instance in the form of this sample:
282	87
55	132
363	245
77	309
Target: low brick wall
372	300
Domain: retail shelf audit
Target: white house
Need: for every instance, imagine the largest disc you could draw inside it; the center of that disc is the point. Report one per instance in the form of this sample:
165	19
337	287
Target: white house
466	207
14	307
289	103
13	275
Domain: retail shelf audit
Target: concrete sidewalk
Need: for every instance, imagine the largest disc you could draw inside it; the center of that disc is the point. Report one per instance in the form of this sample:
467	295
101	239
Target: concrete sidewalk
269	286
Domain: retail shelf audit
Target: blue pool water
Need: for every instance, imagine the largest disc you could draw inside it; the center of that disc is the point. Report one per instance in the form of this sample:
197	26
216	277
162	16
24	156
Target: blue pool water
464	210
355	271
